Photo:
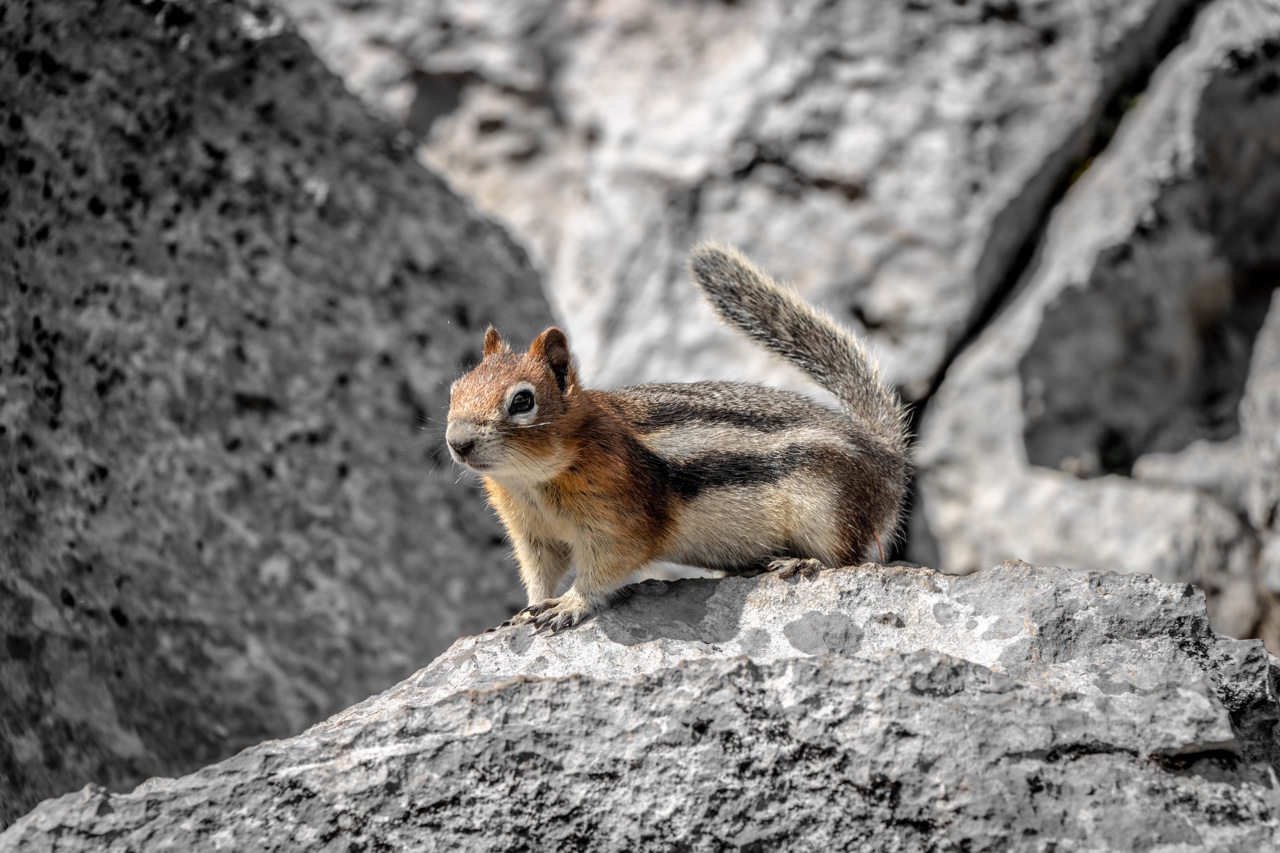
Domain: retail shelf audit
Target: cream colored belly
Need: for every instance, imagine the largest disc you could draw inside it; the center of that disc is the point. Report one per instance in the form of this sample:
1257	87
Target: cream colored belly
729	527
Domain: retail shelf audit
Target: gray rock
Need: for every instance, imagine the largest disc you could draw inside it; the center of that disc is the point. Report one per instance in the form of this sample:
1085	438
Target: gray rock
890	159
230	305
870	708
1260	430
1260	425
1126	350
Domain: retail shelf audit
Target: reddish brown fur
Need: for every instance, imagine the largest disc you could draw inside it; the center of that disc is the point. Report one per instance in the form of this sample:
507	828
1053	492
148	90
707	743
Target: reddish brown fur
600	488
595	503
576	476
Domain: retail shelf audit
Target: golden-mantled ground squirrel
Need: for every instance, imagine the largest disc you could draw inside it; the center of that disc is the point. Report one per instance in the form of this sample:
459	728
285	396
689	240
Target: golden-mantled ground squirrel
721	475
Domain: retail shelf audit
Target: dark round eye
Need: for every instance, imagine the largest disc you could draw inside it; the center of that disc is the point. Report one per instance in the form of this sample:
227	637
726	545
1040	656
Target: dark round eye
522	402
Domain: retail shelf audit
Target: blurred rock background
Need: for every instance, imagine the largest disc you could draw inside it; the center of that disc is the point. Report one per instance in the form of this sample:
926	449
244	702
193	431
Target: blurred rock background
1057	223
231	303
232	298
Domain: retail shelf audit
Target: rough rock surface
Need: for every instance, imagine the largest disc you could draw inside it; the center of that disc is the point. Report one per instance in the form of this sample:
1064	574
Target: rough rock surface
891	159
1104	418
869	708
229	298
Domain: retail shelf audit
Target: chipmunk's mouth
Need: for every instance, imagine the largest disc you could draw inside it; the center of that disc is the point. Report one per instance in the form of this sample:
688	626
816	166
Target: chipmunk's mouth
466	461
479	461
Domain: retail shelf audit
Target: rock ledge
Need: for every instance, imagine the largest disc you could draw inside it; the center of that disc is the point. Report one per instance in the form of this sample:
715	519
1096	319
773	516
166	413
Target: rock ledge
900	708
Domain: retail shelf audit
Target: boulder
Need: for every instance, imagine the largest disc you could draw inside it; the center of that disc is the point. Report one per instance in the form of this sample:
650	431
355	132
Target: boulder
232	305
872	707
1123	408
893	160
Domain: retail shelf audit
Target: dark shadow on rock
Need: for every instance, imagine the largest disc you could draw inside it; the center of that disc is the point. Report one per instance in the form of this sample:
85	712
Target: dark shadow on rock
819	633
675	610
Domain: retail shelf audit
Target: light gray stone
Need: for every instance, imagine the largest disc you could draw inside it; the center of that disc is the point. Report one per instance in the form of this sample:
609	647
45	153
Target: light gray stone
890	159
1260	429
1130	336
1260	424
230	306
869	708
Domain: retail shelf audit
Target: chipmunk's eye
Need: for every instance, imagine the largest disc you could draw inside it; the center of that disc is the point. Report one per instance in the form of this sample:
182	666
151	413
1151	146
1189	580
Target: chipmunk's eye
521	402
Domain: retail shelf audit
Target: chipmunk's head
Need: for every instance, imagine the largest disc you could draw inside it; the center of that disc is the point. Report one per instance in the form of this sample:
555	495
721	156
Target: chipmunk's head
504	416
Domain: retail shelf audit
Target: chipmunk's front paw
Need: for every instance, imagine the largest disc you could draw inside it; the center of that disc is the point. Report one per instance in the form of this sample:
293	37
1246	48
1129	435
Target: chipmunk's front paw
789	568
555	613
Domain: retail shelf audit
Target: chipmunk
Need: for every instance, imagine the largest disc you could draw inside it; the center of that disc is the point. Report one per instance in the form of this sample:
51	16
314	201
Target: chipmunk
720	475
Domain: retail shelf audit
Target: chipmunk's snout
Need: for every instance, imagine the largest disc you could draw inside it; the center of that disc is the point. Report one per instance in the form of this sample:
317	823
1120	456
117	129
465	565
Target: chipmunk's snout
461	439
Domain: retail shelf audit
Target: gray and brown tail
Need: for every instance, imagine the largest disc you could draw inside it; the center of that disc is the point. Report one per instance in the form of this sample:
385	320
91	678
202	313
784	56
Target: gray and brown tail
776	316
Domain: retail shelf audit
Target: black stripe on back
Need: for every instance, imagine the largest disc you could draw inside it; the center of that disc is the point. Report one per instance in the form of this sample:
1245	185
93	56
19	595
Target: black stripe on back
689	478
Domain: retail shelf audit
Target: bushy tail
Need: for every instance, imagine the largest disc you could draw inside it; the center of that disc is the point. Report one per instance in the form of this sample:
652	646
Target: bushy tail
778	318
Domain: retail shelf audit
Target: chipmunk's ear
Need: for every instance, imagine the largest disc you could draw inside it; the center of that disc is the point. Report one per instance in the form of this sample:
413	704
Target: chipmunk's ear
553	348
493	342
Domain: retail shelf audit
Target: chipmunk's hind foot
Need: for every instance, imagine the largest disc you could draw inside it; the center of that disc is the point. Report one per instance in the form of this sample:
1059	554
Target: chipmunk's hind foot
791	567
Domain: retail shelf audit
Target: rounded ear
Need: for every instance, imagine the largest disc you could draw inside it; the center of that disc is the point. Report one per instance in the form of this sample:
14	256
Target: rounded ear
493	342
553	348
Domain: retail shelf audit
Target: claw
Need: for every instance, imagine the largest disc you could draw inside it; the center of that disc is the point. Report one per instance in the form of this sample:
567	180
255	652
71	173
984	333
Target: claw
557	613
520	617
510	623
790	568
534	610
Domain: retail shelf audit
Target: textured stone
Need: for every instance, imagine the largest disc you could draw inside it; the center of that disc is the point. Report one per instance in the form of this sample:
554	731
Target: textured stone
869	708
230	304
891	159
1104	418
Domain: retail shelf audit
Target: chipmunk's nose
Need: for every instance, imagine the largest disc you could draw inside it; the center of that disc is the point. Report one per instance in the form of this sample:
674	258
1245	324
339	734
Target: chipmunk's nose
461	440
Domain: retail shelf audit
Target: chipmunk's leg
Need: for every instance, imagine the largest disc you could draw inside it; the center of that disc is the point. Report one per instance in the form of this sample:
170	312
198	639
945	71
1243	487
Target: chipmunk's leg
543	565
601	572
